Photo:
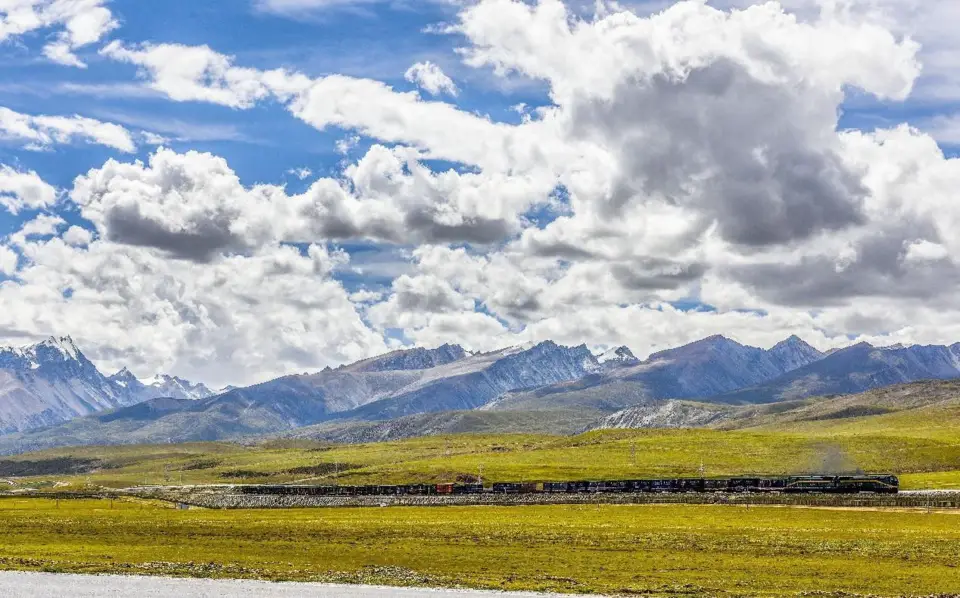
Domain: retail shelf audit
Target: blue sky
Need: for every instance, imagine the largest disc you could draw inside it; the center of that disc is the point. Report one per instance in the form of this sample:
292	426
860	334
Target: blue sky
585	225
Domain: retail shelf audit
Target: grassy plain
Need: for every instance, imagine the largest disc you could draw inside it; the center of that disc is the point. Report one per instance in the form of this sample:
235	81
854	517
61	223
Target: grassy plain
651	550
921	444
923	461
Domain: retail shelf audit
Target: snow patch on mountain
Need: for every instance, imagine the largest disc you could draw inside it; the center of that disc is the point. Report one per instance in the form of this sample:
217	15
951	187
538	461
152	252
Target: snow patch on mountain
617	355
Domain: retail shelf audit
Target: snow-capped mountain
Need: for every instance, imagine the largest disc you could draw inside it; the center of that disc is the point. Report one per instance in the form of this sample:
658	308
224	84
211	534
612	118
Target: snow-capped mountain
161	385
52	382
617	356
164	385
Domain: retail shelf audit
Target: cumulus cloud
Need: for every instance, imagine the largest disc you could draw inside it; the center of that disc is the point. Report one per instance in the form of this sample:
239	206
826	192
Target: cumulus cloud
193	205
24	190
42	132
431	78
8	260
78	23
690	157
239	320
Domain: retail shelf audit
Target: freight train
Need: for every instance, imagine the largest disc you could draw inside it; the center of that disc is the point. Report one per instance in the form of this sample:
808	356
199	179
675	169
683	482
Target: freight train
789	484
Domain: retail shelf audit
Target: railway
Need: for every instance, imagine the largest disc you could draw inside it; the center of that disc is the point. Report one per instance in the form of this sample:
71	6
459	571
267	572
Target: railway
821	484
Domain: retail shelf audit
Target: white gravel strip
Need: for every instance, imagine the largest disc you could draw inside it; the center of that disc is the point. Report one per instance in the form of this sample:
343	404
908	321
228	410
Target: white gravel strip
55	585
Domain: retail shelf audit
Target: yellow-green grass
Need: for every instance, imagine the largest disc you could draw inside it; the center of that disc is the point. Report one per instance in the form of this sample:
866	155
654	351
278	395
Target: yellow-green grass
924	461
922	445
694	550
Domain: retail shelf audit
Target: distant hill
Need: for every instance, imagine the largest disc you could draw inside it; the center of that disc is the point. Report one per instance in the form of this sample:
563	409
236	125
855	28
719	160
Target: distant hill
924	398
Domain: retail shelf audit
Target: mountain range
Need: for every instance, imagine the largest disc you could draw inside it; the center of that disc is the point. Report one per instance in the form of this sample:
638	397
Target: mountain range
53	382
51	395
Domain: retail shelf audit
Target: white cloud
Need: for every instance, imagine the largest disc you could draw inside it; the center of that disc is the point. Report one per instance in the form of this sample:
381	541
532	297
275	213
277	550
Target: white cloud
692	155
78	23
431	78
8	260
192	73
42	132
303	173
24	190
240	320
77	236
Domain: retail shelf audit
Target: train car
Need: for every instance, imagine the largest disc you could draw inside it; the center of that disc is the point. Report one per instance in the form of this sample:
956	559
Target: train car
507	488
557	487
609	486
468	488
886	484
662	486
714	485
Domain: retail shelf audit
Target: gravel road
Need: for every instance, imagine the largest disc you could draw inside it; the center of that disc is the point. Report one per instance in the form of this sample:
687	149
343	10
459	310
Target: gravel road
50	585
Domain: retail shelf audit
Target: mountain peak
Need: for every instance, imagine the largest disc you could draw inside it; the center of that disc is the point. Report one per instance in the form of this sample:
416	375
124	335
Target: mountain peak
621	354
793	353
792	340
417	358
62	344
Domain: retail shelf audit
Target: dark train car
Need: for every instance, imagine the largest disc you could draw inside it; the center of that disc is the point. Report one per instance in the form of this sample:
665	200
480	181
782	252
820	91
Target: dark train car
422	489
557	487
743	485
843	484
507	488
714	485
885	484
609	486
662	486
468	488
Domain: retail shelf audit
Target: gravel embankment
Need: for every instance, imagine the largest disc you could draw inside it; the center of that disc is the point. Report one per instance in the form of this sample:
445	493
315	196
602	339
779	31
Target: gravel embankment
228	498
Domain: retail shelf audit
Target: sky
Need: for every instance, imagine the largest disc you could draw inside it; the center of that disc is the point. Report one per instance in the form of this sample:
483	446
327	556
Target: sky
233	190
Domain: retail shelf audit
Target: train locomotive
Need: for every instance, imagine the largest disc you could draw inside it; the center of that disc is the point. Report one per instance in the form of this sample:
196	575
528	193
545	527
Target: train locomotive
827	484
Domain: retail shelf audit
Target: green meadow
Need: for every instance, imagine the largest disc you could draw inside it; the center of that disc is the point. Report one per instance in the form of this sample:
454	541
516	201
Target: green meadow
634	550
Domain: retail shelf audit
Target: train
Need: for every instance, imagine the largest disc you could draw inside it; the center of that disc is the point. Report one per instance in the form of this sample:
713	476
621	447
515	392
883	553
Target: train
827	484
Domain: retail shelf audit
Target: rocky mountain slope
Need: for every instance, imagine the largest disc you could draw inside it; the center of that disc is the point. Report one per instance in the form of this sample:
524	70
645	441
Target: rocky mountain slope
919	399
548	387
53	381
855	369
706	368
394	385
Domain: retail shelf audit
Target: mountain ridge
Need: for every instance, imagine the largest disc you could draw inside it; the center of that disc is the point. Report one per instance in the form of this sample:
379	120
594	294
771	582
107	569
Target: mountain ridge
408	385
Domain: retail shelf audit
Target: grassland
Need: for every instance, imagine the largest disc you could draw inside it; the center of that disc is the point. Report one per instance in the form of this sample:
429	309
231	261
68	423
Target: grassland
922	444
659	550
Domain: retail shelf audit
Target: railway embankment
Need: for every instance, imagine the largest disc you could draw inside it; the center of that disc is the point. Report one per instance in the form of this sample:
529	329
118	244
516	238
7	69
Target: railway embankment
232	498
